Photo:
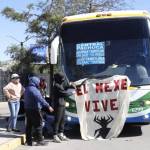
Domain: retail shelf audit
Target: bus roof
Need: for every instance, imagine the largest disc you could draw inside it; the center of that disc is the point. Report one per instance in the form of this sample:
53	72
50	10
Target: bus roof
107	15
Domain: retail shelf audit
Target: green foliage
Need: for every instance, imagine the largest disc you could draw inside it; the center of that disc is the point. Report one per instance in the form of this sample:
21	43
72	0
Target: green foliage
24	59
73	7
15	52
13	15
44	18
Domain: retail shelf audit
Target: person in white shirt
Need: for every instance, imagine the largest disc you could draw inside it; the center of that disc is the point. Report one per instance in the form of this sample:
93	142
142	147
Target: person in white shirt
13	92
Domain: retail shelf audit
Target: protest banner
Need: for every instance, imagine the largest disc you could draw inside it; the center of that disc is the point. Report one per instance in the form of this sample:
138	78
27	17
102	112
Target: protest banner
102	106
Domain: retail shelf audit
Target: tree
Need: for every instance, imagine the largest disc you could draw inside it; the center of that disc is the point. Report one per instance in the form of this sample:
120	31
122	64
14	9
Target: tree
24	60
43	19
87	6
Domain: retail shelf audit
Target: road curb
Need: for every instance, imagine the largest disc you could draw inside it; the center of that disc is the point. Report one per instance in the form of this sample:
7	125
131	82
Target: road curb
14	143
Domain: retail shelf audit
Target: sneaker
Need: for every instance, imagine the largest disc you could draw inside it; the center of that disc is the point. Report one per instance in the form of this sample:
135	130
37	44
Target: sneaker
28	144
41	143
16	130
62	137
35	138
56	139
8	129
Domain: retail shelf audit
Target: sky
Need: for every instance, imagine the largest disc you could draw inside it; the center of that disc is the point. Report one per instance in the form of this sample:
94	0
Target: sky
14	32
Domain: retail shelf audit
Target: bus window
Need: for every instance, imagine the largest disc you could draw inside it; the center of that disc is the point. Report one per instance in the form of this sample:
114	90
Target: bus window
91	47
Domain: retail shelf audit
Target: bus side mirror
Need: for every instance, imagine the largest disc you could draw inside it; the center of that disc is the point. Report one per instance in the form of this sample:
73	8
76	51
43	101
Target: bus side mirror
54	50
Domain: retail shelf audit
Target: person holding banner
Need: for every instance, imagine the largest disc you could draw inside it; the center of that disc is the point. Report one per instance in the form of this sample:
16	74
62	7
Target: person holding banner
59	92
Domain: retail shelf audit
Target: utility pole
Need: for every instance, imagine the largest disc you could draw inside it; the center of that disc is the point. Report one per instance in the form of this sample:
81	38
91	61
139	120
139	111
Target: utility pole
51	70
21	44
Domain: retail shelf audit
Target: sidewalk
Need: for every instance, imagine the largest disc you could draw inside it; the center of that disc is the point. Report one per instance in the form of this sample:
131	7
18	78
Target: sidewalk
9	140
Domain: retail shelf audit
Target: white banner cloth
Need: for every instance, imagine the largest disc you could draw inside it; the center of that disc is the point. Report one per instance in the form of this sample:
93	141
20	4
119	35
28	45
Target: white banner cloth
102	106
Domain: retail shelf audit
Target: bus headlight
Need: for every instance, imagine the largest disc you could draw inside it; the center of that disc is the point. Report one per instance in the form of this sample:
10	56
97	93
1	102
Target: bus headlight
146	116
67	104
147	102
69	118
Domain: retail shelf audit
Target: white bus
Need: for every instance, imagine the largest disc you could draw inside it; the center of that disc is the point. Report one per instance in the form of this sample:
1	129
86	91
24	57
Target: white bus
106	44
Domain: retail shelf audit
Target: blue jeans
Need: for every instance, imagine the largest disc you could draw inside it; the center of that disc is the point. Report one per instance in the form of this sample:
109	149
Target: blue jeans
14	107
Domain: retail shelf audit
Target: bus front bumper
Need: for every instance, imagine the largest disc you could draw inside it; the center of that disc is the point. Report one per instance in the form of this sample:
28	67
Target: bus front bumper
140	119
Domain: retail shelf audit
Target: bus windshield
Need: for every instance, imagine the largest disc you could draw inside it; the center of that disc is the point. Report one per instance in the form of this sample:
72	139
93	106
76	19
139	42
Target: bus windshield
107	47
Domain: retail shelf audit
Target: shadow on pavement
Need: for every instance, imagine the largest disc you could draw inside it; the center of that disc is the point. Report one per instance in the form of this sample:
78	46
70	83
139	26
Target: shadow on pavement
131	131
74	132
128	131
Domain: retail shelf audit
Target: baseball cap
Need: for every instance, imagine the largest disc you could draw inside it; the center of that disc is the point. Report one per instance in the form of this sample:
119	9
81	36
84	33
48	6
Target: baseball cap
13	76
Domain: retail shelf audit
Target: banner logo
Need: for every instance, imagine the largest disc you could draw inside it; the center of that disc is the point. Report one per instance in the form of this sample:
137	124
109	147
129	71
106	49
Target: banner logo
103	122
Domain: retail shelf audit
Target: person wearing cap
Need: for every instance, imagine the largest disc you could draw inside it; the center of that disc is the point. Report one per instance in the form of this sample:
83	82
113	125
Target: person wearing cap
13	92
59	93
33	103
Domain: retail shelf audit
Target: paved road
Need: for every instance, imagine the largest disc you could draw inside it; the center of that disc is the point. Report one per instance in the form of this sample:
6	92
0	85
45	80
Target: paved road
131	140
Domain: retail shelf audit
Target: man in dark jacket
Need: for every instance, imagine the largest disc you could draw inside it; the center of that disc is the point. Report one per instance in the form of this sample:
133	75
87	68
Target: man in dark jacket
59	93
33	102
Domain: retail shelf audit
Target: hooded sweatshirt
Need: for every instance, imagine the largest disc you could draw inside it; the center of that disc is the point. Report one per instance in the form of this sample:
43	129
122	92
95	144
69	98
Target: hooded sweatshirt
32	97
59	92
